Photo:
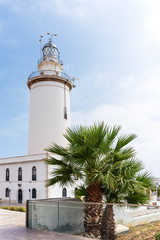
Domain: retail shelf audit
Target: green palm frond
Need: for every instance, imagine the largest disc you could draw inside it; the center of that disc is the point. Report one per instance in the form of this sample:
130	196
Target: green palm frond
123	141
109	139
125	154
146	179
55	162
81	191
60	180
56	149
137	198
100	153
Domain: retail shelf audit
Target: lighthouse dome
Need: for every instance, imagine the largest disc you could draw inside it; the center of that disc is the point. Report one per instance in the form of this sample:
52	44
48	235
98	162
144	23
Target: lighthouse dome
50	49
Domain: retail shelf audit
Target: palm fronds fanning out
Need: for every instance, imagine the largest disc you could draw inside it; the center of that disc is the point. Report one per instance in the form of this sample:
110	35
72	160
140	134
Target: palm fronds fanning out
106	165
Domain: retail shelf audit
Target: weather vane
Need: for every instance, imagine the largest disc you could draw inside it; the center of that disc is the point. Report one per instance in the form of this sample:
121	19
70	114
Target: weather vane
51	39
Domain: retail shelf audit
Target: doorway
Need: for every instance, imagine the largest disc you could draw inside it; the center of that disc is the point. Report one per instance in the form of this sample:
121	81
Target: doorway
20	197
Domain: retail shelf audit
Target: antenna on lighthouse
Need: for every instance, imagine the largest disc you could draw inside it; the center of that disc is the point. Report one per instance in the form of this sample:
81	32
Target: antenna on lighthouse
55	34
40	40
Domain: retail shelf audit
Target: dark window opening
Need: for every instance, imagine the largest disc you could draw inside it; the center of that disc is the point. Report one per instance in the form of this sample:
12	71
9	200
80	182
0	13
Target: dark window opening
7	192
20	196
7	174
64	192
65	113
34	175
20	174
33	193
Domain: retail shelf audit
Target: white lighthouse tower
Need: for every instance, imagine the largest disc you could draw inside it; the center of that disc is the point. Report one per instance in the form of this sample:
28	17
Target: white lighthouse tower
49	101
24	177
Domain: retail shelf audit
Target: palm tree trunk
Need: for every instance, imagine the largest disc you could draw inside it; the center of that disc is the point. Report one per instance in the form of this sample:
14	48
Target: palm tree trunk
93	212
108	224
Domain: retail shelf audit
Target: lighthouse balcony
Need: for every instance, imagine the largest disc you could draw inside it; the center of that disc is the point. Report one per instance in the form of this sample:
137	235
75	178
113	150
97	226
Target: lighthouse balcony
50	73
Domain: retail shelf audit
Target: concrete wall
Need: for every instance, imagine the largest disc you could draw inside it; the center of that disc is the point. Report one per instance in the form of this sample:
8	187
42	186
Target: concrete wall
68	217
137	216
58	217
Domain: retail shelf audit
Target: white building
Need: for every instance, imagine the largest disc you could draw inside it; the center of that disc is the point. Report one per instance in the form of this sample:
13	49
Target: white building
24	177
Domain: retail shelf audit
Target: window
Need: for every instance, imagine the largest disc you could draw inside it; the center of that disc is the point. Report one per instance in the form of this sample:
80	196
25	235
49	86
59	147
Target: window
34	177
65	113
33	193
7	192
20	174
7	174
20	196
64	192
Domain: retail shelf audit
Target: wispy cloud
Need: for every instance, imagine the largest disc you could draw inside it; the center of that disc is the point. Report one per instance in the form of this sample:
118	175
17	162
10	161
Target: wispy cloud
136	110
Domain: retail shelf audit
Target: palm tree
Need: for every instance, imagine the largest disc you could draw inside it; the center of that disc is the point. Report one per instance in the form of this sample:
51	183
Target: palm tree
94	155
131	186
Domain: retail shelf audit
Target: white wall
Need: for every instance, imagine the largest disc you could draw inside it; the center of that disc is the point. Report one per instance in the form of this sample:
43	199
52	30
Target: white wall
46	122
43	173
26	182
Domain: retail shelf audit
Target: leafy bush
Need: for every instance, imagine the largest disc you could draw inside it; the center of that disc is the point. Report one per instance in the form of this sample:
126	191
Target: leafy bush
13	208
157	236
21	209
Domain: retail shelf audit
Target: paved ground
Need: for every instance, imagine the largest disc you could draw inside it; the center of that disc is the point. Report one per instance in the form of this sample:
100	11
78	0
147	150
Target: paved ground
12	227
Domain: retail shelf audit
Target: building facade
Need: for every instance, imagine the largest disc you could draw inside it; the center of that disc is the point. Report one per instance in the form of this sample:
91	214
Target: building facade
24	177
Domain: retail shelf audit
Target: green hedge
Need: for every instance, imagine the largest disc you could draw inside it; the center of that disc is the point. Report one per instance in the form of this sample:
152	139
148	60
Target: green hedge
13	208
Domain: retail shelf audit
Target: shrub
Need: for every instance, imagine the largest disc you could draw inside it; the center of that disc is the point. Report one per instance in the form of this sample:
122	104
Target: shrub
21	209
13	208
5	208
157	236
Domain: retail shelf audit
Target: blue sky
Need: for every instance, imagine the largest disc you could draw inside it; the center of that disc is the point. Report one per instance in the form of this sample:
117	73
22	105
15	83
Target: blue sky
113	47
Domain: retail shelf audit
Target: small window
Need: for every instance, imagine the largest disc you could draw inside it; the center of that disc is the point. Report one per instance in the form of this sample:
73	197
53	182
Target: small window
7	174
64	192
7	192
34	193
34	177
20	174
65	113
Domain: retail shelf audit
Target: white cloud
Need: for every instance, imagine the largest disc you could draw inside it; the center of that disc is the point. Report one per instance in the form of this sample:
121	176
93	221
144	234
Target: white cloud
151	22
136	110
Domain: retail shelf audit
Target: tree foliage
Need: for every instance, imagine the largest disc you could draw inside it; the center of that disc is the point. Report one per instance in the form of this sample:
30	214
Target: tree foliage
101	158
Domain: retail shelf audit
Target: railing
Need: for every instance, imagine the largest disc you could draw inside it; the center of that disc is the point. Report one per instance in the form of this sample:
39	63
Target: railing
50	73
51	60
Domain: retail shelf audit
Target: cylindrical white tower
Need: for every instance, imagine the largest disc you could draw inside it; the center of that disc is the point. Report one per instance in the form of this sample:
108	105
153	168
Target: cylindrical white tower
49	102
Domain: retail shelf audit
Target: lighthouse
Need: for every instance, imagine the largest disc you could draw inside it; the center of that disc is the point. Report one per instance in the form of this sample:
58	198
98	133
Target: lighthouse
49	101
24	177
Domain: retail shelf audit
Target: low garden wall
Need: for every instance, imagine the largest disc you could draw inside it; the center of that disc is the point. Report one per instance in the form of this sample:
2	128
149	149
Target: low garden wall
55	216
67	216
